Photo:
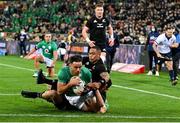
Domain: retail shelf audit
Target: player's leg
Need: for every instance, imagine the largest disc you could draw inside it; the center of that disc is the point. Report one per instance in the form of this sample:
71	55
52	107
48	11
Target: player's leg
38	59
41	79
157	68
169	65
24	48
176	58
100	102
150	62
50	96
50	66
50	71
95	103
21	49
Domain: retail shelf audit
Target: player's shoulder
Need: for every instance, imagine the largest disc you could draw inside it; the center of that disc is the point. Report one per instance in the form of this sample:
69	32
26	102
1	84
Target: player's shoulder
162	36
99	62
85	70
53	43
173	36
63	71
65	68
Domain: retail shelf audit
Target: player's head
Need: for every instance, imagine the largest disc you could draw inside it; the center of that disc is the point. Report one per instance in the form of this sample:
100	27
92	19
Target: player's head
169	30
22	31
153	29
48	37
75	64
99	10
94	54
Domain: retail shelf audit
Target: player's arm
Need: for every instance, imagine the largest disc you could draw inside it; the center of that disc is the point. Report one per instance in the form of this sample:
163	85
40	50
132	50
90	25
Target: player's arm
31	52
55	56
111	34
105	76
147	42
85	36
174	45
63	87
156	50
106	81
110	30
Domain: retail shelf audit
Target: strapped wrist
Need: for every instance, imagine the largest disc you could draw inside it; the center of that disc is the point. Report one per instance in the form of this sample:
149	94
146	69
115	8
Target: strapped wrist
88	40
112	36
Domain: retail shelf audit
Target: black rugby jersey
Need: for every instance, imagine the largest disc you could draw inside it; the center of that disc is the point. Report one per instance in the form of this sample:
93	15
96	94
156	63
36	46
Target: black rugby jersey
97	30
96	69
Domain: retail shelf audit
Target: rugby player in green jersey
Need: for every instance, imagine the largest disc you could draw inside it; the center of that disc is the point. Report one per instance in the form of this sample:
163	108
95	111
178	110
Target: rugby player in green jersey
64	96
49	54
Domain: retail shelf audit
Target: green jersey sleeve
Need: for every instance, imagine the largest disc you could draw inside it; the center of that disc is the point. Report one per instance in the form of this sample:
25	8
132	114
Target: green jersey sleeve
39	45
54	46
64	75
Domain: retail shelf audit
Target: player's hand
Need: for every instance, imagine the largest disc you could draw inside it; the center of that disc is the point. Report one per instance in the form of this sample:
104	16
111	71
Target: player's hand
94	85
75	80
91	43
111	42
53	64
80	91
159	55
26	57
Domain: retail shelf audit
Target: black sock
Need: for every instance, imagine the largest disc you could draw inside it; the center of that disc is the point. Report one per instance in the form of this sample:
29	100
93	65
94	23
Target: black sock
171	74
54	86
39	94
50	82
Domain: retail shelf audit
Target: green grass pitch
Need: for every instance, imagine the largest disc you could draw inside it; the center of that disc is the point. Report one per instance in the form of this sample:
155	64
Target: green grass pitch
132	98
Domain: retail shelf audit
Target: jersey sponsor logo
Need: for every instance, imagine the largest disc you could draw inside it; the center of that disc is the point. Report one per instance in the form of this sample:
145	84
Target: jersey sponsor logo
100	25
46	51
87	63
103	20
95	21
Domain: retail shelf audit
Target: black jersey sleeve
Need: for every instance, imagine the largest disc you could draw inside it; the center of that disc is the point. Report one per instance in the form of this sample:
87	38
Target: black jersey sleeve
101	68
107	22
88	24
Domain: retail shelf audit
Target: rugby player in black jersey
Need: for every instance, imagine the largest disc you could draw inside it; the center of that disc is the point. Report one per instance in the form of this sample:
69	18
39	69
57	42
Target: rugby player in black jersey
100	76
97	26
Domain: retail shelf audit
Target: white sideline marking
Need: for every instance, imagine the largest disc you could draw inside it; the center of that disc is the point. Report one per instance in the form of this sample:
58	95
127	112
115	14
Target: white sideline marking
16	67
1	94
87	116
147	92
118	86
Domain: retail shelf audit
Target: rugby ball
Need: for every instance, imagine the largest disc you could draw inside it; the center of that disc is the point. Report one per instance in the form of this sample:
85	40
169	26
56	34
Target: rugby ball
79	88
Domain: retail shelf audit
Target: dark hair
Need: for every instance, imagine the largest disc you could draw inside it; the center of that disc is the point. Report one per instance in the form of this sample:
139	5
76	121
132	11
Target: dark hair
96	47
169	26
75	58
99	5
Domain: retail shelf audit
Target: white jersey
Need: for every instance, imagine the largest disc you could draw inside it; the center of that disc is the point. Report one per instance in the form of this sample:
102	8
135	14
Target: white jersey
163	44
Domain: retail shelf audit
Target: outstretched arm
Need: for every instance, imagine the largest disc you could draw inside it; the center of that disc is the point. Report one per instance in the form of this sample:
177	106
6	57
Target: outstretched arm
85	36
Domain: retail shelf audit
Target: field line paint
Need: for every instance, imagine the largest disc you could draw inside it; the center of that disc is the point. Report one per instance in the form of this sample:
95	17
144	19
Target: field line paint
147	92
87	116
117	86
1	94
12	66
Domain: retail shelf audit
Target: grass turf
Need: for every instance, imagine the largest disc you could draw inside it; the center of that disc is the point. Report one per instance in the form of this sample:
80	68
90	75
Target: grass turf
139	98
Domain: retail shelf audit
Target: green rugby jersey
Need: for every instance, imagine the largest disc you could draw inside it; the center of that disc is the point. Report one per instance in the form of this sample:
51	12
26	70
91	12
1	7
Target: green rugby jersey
47	48
64	76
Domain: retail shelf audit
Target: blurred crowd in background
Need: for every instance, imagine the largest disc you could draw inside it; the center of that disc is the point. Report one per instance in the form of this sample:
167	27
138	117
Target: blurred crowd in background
131	19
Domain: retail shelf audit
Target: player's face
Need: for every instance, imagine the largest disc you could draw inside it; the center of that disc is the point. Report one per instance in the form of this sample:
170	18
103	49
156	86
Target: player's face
75	68
99	12
169	32
48	37
94	55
